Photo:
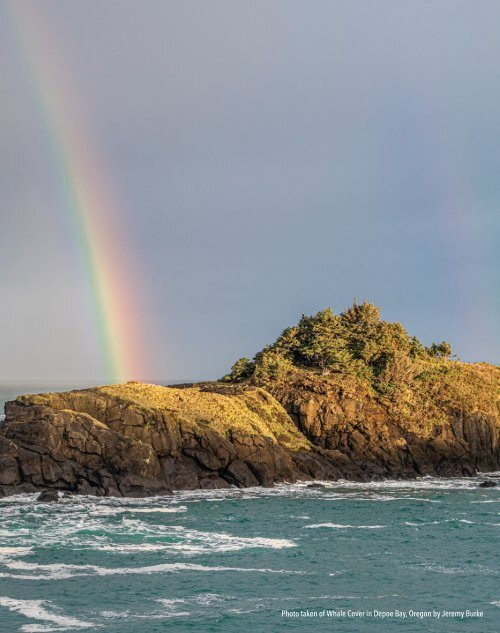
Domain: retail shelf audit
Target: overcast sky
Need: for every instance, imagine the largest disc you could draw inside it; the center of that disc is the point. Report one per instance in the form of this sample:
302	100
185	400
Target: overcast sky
273	158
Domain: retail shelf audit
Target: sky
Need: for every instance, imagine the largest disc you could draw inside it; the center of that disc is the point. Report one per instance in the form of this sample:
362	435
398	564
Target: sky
270	159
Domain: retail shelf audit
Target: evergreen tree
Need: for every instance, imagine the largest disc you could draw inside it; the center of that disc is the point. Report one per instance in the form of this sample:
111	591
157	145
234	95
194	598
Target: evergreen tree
322	341
271	366
362	324
356	342
441	350
288	344
242	368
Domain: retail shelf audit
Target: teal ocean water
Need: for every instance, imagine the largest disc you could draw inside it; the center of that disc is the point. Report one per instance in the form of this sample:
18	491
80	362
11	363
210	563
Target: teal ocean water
340	557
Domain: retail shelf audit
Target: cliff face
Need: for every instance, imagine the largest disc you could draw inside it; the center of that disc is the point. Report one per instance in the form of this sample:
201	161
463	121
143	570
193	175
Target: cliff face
135	440
366	439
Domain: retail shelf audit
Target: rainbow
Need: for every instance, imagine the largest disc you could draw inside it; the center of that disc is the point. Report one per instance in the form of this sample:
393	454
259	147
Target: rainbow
92	211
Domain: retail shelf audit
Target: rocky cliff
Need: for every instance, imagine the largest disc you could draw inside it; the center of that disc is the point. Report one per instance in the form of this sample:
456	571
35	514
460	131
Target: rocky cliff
366	437
137	439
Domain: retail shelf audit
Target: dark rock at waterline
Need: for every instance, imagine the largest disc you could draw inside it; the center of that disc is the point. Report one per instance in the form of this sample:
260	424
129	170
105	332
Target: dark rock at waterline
488	484
48	496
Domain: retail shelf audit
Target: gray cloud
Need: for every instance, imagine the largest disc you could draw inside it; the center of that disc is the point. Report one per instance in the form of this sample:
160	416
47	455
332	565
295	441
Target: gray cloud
273	158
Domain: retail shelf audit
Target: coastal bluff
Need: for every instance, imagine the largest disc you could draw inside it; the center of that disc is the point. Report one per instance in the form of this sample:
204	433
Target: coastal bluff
137	439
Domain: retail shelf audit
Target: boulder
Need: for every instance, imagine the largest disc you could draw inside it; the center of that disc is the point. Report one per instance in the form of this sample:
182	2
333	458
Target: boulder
48	496
488	484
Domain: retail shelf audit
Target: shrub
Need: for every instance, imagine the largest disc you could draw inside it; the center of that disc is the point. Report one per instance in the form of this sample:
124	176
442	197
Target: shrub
271	367
243	368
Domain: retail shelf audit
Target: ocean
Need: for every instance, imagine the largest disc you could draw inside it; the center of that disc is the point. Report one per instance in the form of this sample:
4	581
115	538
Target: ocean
385	556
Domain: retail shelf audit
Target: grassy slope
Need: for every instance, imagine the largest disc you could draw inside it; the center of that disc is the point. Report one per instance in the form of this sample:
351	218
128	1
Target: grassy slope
254	412
438	387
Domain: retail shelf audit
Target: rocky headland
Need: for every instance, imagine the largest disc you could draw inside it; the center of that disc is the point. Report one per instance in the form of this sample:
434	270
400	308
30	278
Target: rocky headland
346	396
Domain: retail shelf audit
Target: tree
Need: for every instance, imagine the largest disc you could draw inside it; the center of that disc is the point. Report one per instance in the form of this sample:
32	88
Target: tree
322	341
417	350
362	325
270	367
357	343
440	350
288	344
242	368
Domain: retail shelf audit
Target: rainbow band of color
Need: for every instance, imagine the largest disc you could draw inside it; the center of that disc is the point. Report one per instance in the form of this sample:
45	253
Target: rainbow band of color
90	208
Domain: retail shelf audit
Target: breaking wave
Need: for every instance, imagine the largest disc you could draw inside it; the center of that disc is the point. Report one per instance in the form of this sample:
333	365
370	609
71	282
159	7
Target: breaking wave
44	611
338	526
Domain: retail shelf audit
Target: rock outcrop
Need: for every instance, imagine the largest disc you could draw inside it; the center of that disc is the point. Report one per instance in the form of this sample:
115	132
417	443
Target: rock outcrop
489	483
47	447
357	431
137	440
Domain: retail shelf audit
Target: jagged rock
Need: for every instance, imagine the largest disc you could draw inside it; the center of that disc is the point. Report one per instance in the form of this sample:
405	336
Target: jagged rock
46	447
363	441
488	484
48	496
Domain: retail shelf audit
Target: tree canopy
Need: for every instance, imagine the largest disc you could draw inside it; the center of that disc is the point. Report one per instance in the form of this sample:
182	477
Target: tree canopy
356	342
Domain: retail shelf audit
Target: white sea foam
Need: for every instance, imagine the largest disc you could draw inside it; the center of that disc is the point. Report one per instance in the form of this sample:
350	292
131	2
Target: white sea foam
442	522
376	497
381	490
422	523
72	528
169	602
305	516
106	511
487	501
9	552
60	571
115	614
466	570
42	610
169	609
196	542
339	526
395	485
174	607
130	548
